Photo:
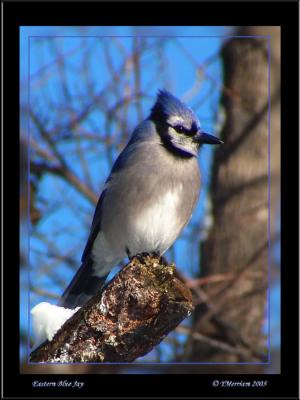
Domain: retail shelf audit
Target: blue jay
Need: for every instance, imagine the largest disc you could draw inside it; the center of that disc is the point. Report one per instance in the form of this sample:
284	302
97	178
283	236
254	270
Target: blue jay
148	197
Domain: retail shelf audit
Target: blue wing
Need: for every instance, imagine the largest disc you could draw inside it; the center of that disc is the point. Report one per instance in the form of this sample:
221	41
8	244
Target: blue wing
123	157
95	228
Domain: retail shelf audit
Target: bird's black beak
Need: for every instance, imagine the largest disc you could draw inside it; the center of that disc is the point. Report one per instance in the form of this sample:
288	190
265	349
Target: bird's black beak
204	138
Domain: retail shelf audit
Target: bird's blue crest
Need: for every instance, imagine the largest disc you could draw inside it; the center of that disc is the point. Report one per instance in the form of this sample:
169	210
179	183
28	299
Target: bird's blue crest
167	105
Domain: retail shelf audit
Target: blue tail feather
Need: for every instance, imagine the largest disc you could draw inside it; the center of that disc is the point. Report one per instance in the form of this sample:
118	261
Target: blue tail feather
83	286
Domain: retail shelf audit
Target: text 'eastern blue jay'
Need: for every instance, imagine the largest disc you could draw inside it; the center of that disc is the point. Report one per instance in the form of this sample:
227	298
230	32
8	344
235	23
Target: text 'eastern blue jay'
148	197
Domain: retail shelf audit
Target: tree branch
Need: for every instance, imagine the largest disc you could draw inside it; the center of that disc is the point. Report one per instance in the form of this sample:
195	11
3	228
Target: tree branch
131	315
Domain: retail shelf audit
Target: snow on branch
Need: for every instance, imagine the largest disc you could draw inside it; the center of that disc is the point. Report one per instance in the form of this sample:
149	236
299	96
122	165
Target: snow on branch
134	312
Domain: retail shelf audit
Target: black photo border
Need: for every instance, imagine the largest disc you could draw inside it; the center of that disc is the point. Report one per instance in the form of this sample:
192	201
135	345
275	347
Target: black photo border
269	13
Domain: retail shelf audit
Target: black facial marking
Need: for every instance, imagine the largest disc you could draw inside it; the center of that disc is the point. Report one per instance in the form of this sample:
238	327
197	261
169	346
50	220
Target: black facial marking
188	132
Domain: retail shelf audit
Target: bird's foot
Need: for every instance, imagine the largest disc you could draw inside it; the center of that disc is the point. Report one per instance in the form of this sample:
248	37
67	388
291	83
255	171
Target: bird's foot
141	256
162	259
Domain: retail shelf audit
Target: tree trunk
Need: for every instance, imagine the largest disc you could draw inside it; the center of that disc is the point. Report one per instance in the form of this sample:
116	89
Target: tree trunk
238	243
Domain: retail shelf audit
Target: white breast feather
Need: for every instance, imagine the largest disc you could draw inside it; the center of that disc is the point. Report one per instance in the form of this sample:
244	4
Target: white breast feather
157	225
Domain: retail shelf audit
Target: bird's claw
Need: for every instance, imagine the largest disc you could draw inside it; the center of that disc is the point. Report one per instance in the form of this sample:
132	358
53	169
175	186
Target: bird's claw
141	257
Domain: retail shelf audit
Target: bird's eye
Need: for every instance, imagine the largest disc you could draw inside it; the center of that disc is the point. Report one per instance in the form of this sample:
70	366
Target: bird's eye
179	129
185	131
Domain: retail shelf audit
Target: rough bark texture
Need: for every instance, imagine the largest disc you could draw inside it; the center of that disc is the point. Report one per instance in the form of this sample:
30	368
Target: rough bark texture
136	310
238	241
